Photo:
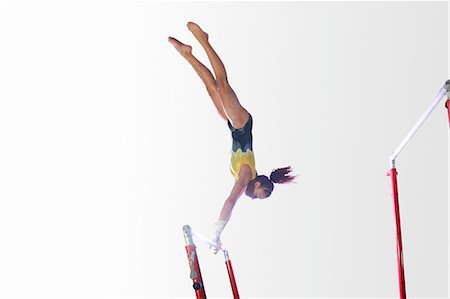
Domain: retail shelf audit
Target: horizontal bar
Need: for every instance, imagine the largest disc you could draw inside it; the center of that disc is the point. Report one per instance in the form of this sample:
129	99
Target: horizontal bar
206	240
422	119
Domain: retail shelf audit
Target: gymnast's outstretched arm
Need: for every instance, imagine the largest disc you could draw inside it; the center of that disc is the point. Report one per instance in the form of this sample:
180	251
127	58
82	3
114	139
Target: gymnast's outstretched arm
235	193
245	175
238	188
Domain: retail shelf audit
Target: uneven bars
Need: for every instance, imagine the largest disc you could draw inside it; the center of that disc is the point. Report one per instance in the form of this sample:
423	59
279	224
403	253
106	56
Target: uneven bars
230	271
444	91
194	265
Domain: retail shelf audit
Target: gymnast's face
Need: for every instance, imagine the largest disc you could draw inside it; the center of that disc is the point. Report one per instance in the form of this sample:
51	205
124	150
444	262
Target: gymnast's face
260	192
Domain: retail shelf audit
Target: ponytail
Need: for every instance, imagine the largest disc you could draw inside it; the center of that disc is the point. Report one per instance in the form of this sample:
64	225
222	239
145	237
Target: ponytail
282	175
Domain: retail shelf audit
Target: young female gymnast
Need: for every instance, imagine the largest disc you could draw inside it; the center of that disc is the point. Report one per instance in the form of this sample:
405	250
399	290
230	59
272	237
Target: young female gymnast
242	158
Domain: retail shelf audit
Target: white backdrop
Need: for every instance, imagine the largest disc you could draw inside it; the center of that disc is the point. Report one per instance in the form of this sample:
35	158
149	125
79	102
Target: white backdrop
110	144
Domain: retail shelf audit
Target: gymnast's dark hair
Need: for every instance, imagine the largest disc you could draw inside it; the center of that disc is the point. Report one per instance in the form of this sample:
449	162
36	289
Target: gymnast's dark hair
278	176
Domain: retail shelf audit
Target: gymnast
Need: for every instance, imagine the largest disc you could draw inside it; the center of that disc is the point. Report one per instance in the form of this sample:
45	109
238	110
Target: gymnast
240	123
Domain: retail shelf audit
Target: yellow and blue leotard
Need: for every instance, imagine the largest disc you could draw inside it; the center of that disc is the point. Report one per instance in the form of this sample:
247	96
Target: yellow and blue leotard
242	149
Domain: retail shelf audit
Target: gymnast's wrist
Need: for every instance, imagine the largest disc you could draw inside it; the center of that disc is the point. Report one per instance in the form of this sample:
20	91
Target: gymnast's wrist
219	225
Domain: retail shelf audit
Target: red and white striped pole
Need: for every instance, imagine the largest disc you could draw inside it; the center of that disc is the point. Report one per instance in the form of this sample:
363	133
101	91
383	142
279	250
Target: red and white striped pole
194	265
231	275
445	90
401	271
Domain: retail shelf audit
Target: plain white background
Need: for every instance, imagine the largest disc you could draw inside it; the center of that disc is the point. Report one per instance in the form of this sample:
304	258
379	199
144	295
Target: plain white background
110	144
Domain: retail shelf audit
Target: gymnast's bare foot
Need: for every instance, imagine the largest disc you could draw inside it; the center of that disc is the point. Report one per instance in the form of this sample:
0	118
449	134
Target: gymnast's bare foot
199	34
183	49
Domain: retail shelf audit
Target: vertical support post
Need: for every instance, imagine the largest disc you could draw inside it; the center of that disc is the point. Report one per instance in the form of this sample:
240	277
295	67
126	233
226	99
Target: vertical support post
447	105
401	273
194	265
231	275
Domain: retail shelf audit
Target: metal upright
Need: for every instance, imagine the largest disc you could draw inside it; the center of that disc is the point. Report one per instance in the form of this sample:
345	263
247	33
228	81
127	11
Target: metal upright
445	90
194	265
231	275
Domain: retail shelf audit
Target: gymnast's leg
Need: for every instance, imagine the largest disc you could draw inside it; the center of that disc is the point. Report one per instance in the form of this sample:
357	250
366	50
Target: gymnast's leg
203	72
236	113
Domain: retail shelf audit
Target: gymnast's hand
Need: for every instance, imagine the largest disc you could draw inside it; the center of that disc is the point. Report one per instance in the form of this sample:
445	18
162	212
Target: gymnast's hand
217	247
217	231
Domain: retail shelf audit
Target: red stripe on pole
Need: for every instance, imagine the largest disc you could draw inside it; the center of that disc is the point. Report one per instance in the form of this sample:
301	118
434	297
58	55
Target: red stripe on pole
232	280
195	275
401	273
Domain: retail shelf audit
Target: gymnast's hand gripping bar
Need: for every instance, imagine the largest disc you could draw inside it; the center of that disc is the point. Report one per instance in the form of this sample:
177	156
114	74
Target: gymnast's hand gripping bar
445	90
194	265
206	240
